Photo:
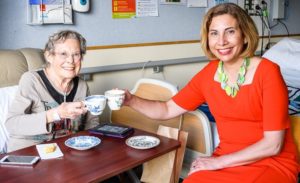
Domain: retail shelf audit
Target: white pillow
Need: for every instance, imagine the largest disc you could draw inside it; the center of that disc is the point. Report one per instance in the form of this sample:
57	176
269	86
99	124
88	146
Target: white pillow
7	94
286	54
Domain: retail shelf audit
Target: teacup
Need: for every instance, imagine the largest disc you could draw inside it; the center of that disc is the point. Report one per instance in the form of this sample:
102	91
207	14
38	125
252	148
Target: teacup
115	98
95	104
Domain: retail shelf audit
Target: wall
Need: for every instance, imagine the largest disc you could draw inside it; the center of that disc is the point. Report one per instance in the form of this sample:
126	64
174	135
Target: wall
176	74
174	23
98	26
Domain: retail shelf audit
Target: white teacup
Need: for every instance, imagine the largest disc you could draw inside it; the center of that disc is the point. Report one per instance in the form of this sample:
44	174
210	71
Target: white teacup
95	104
115	98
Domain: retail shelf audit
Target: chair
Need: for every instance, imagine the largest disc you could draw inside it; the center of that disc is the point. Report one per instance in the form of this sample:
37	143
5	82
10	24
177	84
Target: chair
166	168
13	64
199	141
196	123
215	135
152	89
295	121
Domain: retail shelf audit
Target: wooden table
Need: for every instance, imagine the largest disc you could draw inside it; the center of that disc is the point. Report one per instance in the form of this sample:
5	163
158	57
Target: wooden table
109	158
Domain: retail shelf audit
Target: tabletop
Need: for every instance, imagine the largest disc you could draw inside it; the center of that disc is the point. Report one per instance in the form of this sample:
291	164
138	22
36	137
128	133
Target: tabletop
111	157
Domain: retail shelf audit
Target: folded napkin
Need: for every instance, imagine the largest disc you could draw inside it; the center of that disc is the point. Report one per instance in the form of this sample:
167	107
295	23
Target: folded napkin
41	148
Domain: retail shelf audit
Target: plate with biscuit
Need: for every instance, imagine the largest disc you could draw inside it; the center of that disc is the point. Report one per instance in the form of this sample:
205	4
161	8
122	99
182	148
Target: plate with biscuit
49	151
82	142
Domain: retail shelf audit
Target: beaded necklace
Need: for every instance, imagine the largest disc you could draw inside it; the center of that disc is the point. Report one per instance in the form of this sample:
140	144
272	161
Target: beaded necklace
223	78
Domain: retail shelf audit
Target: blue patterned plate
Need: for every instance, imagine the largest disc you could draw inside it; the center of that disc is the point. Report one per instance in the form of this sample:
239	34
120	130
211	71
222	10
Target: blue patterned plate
82	142
142	142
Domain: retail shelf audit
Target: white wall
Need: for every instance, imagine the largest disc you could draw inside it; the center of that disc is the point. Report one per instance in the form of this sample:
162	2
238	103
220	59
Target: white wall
177	74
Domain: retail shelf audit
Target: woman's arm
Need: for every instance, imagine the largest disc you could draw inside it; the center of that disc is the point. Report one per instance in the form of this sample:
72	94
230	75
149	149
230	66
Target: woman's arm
269	145
20	119
153	109
28	113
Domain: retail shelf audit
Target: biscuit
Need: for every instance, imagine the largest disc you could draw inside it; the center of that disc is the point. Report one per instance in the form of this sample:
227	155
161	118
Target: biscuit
50	148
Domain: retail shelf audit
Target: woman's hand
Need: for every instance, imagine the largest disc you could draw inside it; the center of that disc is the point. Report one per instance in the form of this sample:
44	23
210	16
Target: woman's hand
71	110
205	163
268	146
128	98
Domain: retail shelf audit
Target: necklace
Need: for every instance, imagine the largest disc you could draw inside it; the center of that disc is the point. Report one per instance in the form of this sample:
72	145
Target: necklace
223	78
59	88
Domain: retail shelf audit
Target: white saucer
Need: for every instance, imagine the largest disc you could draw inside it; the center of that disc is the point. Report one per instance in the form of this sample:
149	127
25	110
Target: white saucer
82	142
142	142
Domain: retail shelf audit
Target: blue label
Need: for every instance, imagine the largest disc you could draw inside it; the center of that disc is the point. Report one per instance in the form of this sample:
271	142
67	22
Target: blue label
38	2
33	2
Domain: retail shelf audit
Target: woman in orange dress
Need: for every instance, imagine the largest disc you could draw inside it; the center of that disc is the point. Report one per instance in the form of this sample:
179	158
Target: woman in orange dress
248	98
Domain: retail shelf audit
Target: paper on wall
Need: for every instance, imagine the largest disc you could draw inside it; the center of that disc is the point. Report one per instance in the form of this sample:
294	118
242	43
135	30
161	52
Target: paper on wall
196	3
146	8
49	12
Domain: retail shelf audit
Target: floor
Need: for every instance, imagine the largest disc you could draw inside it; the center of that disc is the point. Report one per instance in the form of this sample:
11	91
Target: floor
124	178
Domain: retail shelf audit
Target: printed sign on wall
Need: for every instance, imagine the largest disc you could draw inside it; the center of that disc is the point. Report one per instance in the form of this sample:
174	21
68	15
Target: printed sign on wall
123	8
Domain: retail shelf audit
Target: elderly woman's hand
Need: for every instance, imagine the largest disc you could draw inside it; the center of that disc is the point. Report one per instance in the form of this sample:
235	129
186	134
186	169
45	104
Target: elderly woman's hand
71	110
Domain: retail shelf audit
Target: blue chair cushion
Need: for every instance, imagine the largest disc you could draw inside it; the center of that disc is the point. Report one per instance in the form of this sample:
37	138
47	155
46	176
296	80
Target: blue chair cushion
294	100
204	108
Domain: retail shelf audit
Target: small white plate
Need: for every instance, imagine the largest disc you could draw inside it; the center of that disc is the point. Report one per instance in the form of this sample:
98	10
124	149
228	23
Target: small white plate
142	142
41	150
82	142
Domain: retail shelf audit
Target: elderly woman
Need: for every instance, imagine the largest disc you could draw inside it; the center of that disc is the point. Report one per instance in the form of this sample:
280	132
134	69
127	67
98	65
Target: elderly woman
49	103
248	98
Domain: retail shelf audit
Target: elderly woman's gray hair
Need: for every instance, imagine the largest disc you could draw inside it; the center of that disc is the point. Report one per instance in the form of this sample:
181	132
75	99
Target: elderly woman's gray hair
61	36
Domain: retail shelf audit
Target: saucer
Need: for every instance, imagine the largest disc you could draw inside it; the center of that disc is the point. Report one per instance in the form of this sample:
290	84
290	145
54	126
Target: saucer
82	142
142	142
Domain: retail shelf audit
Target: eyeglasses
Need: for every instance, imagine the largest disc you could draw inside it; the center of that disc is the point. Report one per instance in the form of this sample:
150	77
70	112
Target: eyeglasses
65	55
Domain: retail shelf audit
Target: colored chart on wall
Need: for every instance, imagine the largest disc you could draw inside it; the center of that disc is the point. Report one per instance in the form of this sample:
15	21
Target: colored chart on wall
49	12
123	8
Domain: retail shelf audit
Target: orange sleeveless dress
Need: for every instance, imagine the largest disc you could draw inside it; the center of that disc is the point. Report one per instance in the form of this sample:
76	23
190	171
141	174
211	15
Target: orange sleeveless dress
258	107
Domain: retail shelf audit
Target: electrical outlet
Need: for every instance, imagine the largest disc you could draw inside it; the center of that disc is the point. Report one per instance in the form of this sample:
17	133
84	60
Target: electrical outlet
86	77
157	68
253	7
278	9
